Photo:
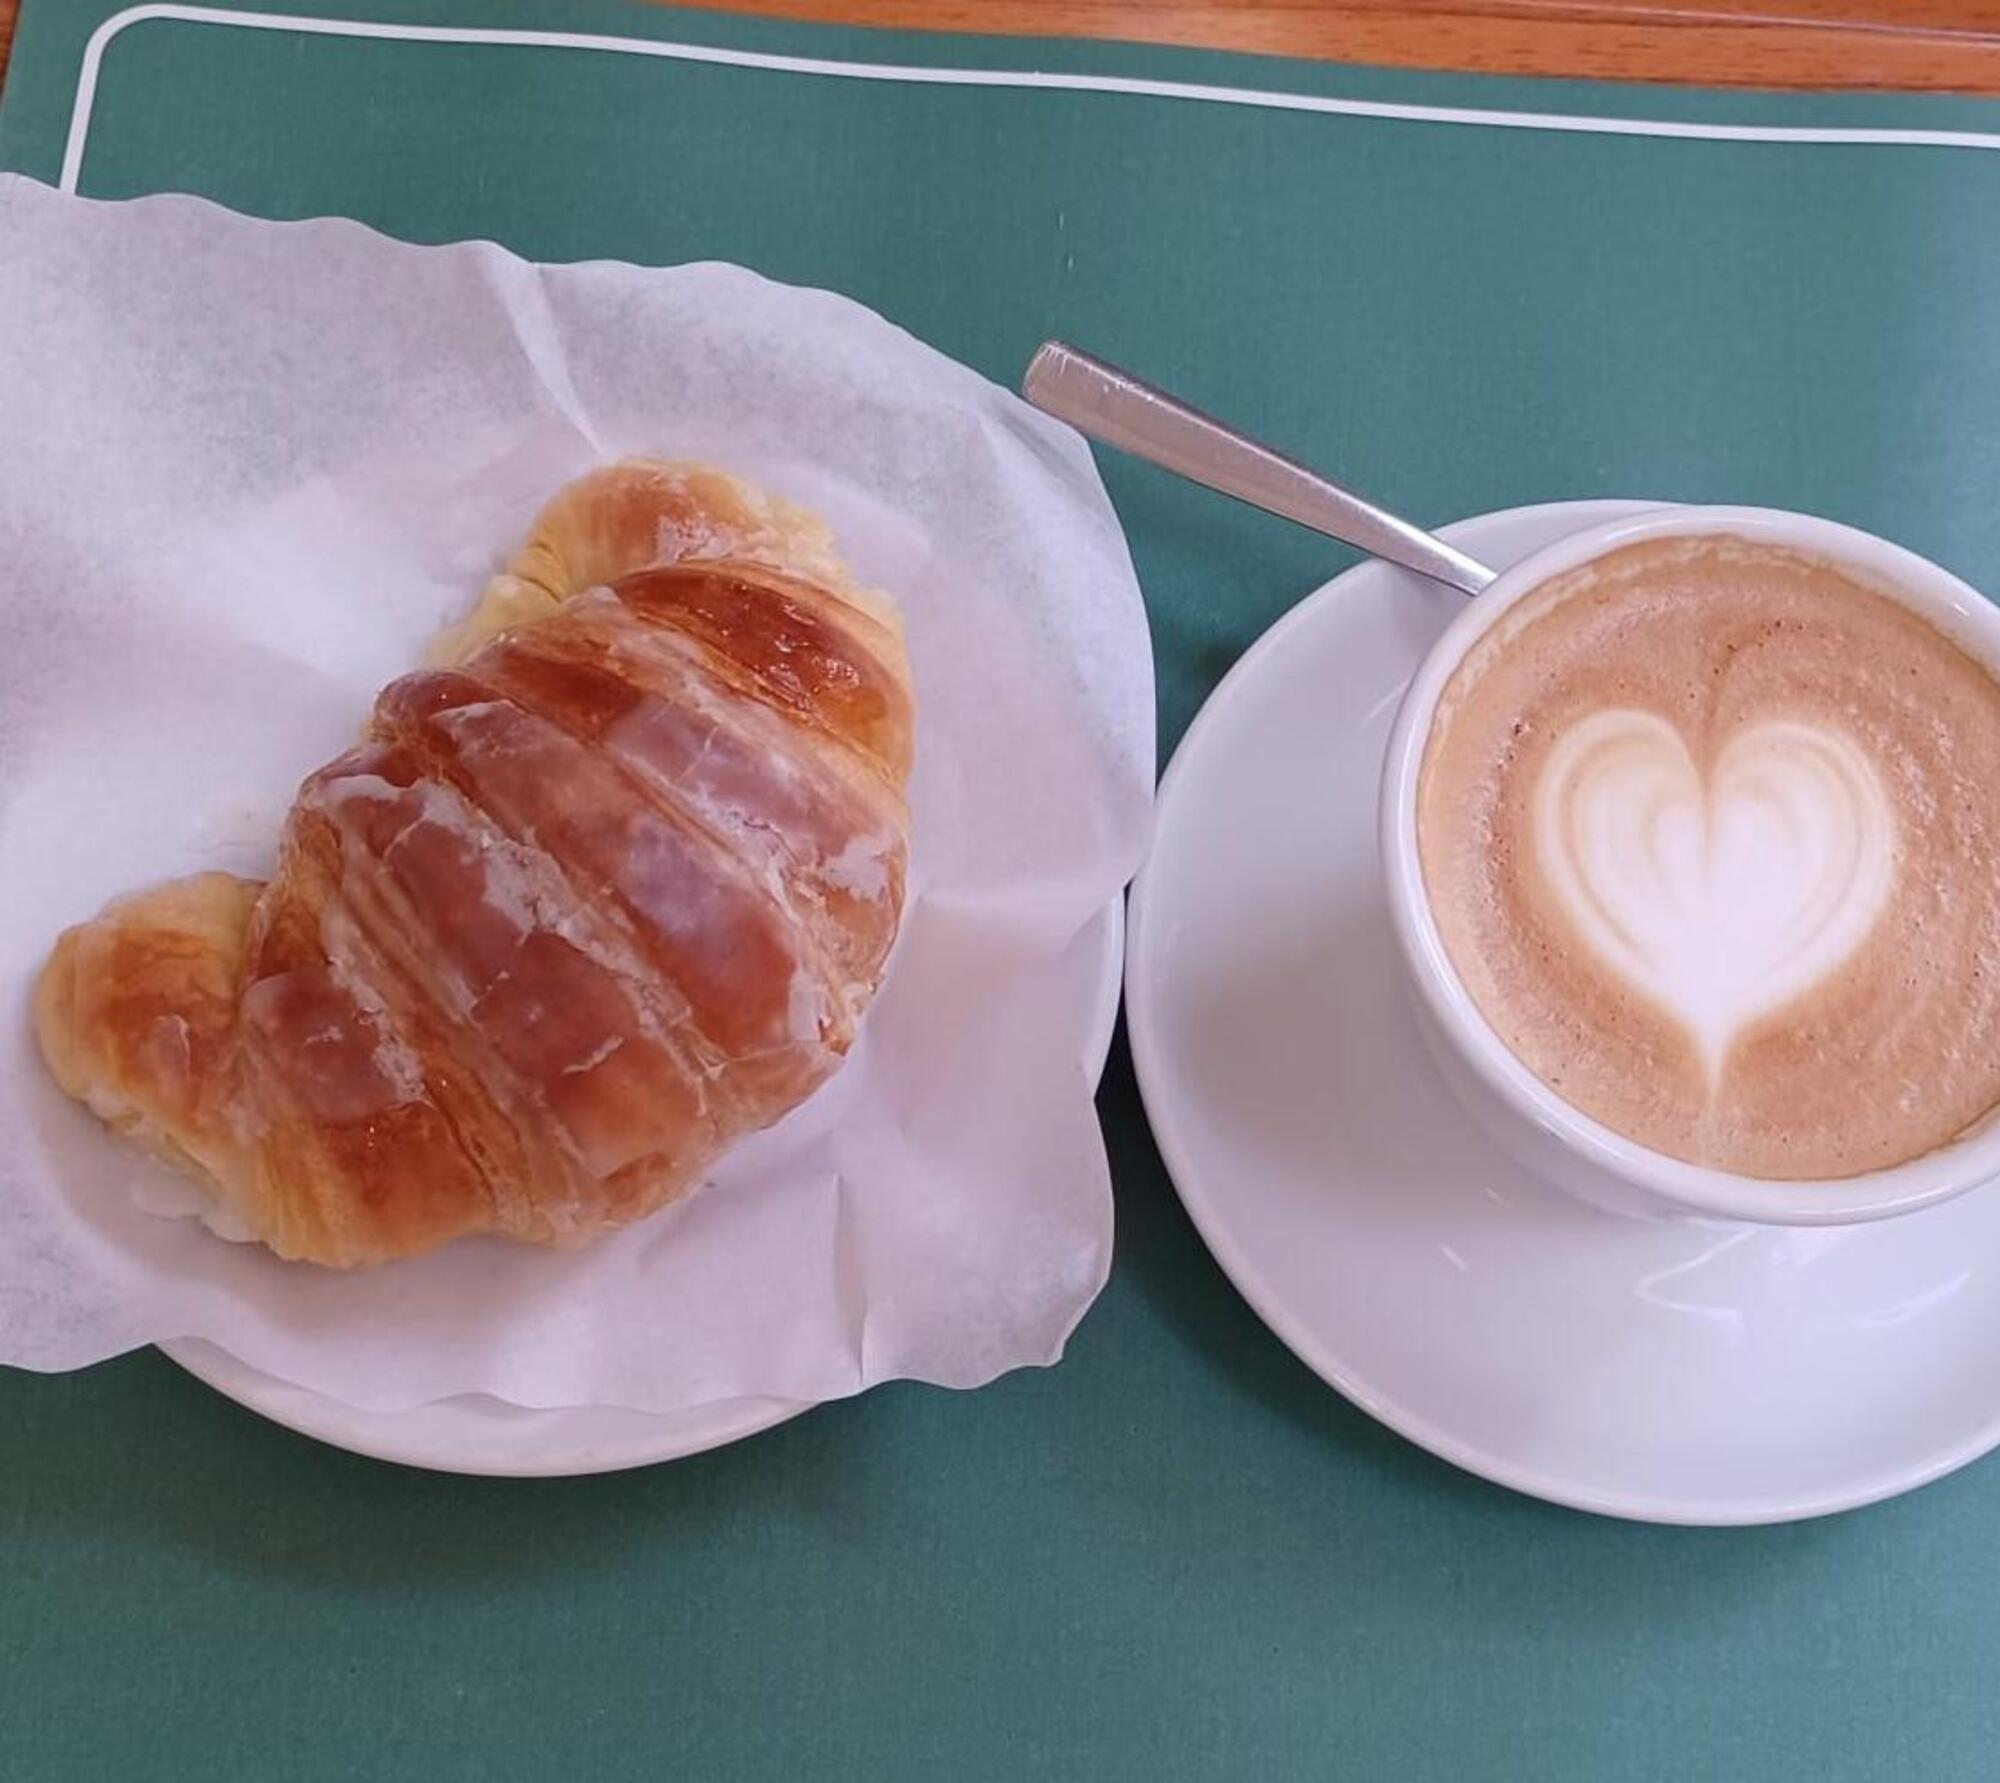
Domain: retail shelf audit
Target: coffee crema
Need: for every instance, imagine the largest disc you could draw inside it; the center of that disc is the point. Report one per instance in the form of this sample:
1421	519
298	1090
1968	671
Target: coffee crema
1711	832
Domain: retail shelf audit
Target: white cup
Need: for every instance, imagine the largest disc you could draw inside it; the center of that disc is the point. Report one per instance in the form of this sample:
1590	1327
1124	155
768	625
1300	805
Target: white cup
1521	1113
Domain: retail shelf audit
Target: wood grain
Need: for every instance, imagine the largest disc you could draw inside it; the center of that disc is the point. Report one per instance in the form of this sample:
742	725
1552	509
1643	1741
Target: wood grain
1915	45
1912	45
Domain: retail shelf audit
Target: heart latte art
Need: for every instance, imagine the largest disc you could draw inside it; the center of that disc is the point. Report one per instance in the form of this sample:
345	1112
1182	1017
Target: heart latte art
1711	832
1724	895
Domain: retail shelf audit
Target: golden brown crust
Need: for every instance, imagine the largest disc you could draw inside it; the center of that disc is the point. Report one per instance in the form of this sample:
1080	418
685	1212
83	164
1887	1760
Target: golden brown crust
642	512
607	891
136	1016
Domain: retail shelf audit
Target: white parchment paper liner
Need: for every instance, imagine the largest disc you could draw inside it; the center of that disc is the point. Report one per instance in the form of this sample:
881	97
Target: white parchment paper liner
246	470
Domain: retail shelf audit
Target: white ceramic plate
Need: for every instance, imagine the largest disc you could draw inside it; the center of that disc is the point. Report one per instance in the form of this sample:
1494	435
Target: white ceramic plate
474	1433
1688	1372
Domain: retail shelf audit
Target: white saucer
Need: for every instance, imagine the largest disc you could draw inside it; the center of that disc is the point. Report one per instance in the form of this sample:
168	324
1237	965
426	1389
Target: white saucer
477	1434
1684	1372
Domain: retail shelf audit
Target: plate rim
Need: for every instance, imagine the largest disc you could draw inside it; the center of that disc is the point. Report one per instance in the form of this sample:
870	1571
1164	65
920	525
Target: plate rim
1143	1035
363	1432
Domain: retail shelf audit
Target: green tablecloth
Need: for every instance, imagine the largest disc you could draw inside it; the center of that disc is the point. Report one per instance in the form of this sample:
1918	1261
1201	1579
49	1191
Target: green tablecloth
1178	1555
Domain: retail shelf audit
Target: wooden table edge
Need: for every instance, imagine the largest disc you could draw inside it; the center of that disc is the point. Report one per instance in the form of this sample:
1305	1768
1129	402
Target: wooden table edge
1879	45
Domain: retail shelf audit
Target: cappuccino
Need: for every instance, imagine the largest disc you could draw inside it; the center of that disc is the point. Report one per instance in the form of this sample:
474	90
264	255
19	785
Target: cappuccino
1710	830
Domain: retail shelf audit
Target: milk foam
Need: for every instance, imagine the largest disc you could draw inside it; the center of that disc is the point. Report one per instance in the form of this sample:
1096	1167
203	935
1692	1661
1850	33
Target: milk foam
1721	896
1711	832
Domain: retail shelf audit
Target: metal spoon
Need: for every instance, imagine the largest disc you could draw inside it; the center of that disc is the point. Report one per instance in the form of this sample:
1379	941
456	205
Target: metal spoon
1120	410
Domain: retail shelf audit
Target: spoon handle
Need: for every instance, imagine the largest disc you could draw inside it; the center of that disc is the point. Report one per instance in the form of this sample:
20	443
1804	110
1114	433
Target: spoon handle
1117	409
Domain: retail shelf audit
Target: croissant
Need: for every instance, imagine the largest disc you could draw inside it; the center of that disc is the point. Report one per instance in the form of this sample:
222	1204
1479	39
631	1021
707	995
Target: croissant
605	887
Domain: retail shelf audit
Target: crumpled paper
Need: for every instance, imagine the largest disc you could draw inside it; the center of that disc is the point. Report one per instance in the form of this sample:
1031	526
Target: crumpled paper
247	470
